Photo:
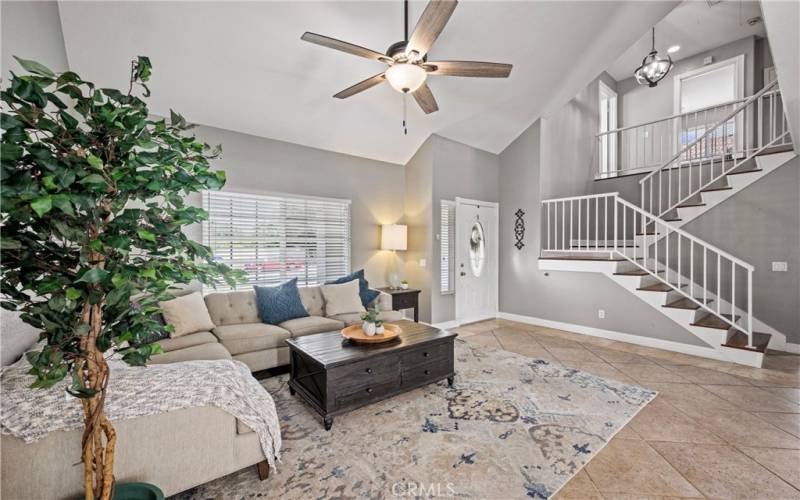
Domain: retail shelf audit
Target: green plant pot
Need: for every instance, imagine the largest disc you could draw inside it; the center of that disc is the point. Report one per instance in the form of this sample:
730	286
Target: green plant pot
137	491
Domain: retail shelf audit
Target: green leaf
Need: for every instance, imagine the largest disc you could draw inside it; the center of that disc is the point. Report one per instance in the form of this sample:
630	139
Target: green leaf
95	179
93	275
94	161
49	182
146	235
42	205
35	67
61	202
69	121
9	244
73	293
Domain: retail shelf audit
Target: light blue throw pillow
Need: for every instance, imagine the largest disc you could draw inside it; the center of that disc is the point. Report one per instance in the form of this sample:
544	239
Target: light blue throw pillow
277	304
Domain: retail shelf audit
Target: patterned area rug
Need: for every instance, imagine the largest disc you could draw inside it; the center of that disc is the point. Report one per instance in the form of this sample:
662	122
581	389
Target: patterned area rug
511	427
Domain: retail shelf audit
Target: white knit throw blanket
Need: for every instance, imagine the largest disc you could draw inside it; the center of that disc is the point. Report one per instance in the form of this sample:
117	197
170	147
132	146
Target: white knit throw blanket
30	414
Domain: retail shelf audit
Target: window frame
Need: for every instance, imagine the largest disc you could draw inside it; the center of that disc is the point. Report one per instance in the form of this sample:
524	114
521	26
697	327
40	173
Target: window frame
608	143
447	229
275	206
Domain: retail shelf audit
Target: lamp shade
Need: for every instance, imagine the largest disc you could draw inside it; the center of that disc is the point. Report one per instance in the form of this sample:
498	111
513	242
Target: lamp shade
393	237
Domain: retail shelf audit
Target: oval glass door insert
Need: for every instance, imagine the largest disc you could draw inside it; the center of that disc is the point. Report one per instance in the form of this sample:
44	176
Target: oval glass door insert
477	249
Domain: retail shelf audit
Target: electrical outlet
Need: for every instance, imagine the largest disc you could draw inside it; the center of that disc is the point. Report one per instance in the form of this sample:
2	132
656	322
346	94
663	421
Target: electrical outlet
423	263
601	313
780	267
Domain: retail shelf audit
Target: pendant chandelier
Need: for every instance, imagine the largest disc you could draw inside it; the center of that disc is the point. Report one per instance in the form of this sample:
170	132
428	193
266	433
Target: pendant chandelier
653	68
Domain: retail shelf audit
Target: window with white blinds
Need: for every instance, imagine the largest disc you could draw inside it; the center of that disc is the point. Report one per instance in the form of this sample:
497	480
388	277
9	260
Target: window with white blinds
447	223
273	238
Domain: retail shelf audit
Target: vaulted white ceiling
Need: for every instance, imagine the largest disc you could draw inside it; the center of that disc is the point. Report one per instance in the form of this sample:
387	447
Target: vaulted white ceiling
243	67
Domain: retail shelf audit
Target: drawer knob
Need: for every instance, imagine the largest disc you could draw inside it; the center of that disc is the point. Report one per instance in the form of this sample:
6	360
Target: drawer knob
425	354
369	370
427	372
369	390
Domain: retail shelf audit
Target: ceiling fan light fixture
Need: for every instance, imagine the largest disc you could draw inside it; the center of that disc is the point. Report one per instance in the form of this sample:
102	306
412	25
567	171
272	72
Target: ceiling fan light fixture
406	78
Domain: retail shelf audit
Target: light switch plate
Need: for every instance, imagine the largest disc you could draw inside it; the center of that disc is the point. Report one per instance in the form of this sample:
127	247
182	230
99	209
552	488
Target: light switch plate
780	267
601	313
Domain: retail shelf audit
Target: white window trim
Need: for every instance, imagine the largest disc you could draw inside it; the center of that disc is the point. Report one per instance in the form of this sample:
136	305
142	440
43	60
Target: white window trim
447	238
604	91
342	247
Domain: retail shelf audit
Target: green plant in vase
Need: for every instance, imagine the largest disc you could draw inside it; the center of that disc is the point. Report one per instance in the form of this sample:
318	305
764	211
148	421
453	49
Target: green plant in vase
93	192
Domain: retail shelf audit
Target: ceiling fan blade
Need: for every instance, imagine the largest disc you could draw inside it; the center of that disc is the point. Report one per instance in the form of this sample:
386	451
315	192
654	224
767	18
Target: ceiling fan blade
425	99
430	25
360	86
350	48
468	68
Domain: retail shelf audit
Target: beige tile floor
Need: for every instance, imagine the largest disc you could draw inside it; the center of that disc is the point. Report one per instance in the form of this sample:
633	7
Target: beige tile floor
716	429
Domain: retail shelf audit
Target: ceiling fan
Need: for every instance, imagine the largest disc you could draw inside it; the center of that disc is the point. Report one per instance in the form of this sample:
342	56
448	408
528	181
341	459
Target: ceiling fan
407	60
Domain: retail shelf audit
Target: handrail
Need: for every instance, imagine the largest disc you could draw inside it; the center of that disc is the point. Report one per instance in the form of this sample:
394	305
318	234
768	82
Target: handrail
679	115
710	130
583	197
677	230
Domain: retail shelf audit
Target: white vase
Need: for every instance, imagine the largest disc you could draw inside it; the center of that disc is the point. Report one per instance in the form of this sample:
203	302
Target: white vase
404	286
379	330
369	329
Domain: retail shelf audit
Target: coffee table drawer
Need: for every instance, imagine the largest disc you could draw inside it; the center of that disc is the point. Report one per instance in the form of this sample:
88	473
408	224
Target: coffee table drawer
428	372
364	373
366	394
427	354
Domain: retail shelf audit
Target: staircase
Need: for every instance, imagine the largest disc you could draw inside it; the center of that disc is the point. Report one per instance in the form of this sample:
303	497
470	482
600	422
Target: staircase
700	287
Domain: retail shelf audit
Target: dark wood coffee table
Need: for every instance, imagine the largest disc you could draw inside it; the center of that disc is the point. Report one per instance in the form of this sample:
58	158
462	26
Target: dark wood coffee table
334	375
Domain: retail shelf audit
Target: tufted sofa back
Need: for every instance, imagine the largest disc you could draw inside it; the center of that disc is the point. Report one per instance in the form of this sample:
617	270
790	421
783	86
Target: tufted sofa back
232	308
312	299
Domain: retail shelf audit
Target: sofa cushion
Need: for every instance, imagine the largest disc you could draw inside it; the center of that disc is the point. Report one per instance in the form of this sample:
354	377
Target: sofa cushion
277	304
342	299
311	324
312	300
249	337
209	351
184	341
232	308
348	318
187	314
366	294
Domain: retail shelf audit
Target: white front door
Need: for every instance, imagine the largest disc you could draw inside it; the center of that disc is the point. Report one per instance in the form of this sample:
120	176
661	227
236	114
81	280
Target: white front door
476	260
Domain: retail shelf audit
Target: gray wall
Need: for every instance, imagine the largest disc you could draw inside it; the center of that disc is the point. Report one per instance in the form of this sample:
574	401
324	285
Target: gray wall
760	225
29	30
259	165
638	104
570	297
458	171
419	219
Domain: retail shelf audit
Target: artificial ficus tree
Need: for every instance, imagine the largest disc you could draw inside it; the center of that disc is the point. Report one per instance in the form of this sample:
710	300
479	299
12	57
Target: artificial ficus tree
93	206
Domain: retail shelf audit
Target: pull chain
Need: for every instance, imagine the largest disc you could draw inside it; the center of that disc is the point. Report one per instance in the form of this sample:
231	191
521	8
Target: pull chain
405	114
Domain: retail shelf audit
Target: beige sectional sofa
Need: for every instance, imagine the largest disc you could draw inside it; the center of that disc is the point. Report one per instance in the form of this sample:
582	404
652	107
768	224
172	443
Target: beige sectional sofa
240	334
172	457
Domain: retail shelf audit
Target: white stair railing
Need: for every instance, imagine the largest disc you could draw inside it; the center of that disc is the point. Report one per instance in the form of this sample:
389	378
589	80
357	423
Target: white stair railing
714	280
719	150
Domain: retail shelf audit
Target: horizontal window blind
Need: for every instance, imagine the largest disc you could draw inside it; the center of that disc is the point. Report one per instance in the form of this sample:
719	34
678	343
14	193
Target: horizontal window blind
274	238
447	219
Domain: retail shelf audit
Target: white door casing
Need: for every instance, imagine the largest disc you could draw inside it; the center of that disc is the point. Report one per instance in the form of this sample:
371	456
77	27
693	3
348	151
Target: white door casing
476	269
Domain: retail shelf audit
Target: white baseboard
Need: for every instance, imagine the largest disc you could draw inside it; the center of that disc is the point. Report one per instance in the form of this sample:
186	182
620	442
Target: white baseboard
789	347
446	324
668	345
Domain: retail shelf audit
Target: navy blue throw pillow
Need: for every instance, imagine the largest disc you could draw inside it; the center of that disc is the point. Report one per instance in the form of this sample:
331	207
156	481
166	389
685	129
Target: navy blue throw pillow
364	292
277	304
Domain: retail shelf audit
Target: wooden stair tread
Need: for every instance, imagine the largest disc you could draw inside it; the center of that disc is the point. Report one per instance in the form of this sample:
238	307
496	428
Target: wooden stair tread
580	257
711	321
709	190
738	340
747	171
692	204
659	287
634	272
685	303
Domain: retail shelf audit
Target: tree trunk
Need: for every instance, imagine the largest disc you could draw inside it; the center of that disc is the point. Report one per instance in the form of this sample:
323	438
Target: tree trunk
99	436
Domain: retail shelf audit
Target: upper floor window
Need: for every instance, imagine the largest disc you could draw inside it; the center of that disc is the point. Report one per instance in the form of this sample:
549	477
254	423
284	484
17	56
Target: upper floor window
273	238
608	122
